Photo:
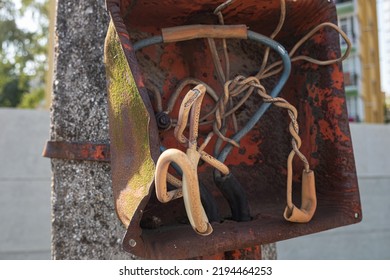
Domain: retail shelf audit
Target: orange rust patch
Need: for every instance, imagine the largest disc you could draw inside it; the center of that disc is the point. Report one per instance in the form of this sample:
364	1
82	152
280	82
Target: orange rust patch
337	77
248	148
326	130
336	106
319	38
318	94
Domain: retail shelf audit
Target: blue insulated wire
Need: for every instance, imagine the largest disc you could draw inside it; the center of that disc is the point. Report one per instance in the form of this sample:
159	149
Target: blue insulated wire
264	107
148	42
274	93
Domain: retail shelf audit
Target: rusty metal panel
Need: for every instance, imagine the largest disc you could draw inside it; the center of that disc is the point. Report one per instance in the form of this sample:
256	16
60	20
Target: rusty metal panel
161	231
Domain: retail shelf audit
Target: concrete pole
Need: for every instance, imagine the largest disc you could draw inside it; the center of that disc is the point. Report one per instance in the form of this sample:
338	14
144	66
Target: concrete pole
84	223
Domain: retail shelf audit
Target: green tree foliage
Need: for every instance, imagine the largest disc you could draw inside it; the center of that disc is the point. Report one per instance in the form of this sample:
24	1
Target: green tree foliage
22	52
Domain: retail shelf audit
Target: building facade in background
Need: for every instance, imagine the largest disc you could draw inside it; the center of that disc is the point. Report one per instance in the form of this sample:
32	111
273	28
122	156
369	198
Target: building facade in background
365	100
383	8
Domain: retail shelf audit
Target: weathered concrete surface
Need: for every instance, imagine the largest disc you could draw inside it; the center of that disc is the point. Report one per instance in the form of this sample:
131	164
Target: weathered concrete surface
24	185
84	223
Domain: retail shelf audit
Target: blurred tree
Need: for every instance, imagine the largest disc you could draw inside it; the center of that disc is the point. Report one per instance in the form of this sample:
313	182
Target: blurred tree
23	52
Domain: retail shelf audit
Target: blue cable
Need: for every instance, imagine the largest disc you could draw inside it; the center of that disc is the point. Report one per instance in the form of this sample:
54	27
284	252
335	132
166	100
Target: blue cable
148	42
264	107
274	93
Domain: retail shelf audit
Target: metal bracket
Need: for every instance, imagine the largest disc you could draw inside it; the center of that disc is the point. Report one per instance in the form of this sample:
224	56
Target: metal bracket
77	151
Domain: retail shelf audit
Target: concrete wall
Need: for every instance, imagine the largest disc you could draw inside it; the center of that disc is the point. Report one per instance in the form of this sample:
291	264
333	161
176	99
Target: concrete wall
372	150
24	185
25	195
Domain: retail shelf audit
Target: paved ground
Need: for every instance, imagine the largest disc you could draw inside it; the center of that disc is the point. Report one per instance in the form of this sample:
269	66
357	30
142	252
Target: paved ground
25	196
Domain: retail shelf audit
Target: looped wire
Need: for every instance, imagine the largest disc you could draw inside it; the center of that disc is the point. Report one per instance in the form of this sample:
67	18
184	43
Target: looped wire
223	6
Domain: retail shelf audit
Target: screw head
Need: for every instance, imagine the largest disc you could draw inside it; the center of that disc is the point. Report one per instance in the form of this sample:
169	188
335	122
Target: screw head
132	243
163	120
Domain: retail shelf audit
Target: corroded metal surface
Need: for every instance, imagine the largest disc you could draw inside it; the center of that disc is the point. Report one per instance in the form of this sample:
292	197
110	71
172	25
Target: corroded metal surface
77	151
316	91
132	129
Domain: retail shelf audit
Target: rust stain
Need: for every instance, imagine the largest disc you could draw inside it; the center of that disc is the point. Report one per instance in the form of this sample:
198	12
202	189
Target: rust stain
327	130
337	77
316	91
337	105
249	152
